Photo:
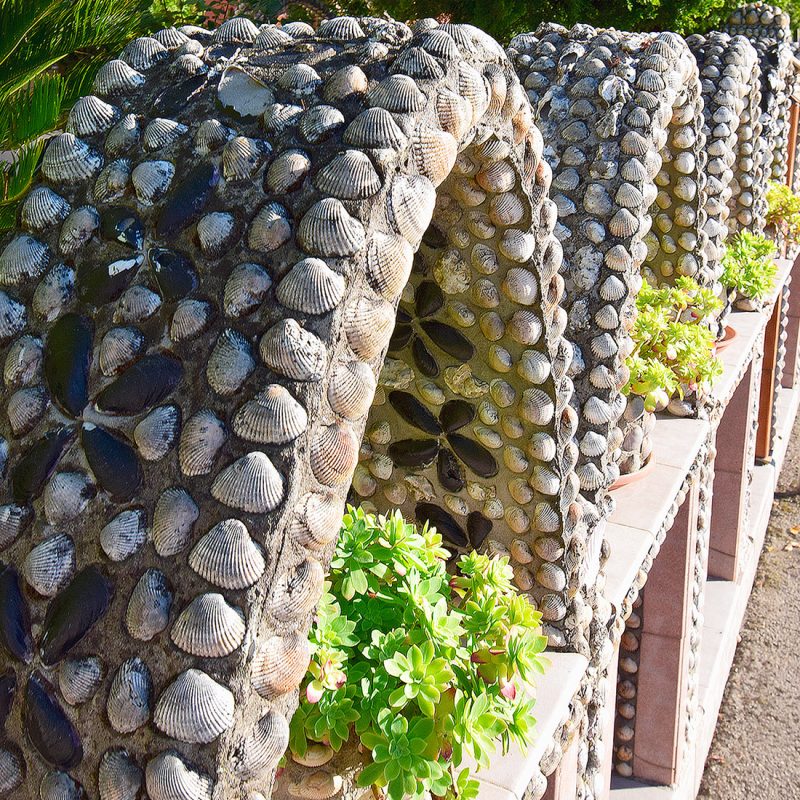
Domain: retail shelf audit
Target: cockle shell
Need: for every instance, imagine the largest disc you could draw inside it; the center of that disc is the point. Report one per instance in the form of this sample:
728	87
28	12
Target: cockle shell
251	484
130	695
54	292
242	156
42	209
398	94
112	181
169	777
77	229
23	364
13	520
328	230
298	591
320	122
368	326
389	261
136	305
149	606
123	136
228	557
158	432
345	82
79	679
91	115
59	785
210	135
351	389
375	128
49	566
410	205
68	160
116	77
263	748
273	416
12	317
239	30
349	176
311	287
66	496
215	232
270	228
25	409
294	352
300	79
201	440
287	172
434	153
317	520
280	665
190	319
209	627
334	454
124	535
144	52
151	180
230	363
173	519
162	132
245	289
119	777
120	346
271	37
194	708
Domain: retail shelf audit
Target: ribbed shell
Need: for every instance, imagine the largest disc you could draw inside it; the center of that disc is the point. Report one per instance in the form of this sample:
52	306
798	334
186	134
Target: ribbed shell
123	136
375	128
23	259
173	519
169	777
149	606
91	115
294	352
112	181
68	160
60	786
311	287
43	208
151	180
280	665
349	176
190	319
136	305
158	432
119	777
298	591
25	408
242	156
162	132
398	94
201	440
23	363
209	627
77	229
351	389
410	206
270	228
368	327
263	747
389	261
49	566
117	78
327	230
144	52
194	708
79	679
273	416
238	30
334	454
120	346
288	171
250	484
54	292
227	557
245	289
124	535
66	495
12	770
230	363
318	519
130	696
211	135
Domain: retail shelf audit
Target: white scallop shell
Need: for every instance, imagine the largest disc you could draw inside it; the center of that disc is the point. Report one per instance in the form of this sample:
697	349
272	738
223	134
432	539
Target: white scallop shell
351	389
410	205
129	698
334	454
23	364
144	52
288	171
136	305
242	156
119	777
210	135
79	679
173	520
161	132
42	209
263	747
228	557
250	484
124	535
270	228
349	176
158	432
245	289
69	160
119	347
91	115
318	519
389	262
194	708
66	496
375	128
23	259
280	664
169	777
294	352
201	439
49	566
149	606
151	180
311	287
190	319
209	627
123	136
328	230
77	229
368	326
230	363
112	181
273	416
116	77
25	409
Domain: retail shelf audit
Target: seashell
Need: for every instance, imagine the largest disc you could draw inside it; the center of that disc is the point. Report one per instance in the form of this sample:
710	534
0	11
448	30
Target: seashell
215	232
194	708
173	519
162	132
245	289
410	205
119	348
590	477
13	521
77	229
287	172
12	317
328	230
169	777
209	627
228	557
25	409
311	287
119	777
191	318
130	696
316	786
60	786
294	352
349	176
112	181
264	746
243	93
236	30
124	535
123	136
151	180
91	115
398	94
49	566
280	665
552	607
389	261
298	591
12	770
415	62
48	728
158	432
273	416
242	156
68	160
42	209
66	496
300	80
23	363
375	128
340	29
434	153
344	83
334	454
271	37
210	135
136	305
298	30
368	326
55	291
278	117
230	363
318	519
146	383
351	389
316	755
115	77
319	123
551	577
79	679
542	447
23	259
270	228
149	606
144	52
598	412
201	440
251	484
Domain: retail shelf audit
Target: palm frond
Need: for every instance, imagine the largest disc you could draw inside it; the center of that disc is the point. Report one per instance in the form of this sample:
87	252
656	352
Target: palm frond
31	112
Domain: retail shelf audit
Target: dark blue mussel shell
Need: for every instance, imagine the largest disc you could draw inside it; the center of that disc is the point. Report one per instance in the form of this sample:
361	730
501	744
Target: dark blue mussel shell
143	385
99	284
113	461
186	202
8	685
15	621
67	360
121	224
48	727
31	472
174	273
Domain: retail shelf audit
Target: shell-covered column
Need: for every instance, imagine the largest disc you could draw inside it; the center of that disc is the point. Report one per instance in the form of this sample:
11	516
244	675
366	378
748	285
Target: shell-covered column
194	311
621	116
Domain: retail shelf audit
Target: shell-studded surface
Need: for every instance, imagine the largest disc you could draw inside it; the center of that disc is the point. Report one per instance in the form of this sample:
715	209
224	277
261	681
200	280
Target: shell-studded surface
193	315
621	115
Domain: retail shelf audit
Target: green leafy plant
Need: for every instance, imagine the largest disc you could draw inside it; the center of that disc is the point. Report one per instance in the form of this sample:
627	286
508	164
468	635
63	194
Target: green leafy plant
674	349
747	265
422	667
783	210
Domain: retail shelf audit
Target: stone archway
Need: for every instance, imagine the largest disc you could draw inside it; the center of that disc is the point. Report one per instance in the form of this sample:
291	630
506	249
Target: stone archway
194	313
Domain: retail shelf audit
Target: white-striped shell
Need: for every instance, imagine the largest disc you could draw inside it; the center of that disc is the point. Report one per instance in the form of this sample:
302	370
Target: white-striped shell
270	228
116	77
345	82
319	122
236	30
144	52
79	679
49	566
162	132
149	606
334	454
228	557
279	116
250	484
12	770
434	153
298	591
210	135
201	440
209	627
298	30
273	416
271	37
300	79
136	305
280	665
414	61
194	708
349	176
25	409
311	287
59	785
13	520
130	695
119	347
125	534
77	229
66	496
245	289
598	412
42	209
169	777
190	319
294	352
23	364
351	389
230	363
54	292
69	160
264	746
123	136
112	181
243	93
158	432
341	29
328	230
410	206
288	171
375	128
389	262
318	519
173	520
91	115
215	232
242	156
189	64
23	259
398	94
368	326
151	180
12	317
119	777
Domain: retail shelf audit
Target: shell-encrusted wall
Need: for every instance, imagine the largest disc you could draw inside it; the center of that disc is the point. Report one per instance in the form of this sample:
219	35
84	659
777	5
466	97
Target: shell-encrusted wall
621	117
760	20
194	312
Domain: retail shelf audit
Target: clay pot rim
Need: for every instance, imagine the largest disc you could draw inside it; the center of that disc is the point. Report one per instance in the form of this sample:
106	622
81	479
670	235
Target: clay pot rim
730	334
633	477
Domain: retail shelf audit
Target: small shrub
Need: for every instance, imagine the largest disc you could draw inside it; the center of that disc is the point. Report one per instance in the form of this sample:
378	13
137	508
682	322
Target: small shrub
747	265
421	666
674	350
783	210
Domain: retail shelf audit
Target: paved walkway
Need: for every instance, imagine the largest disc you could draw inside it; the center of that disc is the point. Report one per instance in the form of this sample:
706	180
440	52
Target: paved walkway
755	754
